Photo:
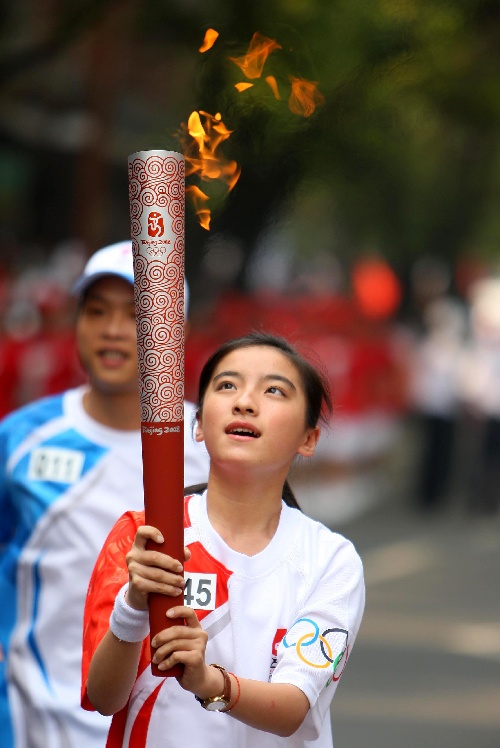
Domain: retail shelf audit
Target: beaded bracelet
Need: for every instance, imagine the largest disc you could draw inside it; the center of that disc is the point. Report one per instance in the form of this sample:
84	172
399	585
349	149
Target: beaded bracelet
237	695
127	623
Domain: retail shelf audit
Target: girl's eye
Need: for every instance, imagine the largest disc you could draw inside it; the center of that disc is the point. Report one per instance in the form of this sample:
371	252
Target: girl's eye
225	386
274	390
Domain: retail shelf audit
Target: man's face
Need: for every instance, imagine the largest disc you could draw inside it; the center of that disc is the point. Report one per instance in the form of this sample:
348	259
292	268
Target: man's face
106	336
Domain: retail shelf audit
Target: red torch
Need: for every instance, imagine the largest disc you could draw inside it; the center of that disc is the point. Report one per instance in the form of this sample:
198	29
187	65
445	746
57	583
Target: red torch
156	191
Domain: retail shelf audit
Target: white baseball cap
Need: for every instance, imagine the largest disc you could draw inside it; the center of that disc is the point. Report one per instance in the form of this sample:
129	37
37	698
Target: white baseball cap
115	259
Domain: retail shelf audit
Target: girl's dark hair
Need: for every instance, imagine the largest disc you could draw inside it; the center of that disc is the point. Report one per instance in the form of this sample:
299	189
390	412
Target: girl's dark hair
287	494
316	389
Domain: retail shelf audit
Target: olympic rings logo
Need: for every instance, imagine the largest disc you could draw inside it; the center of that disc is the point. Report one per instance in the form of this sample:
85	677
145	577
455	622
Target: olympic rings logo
321	657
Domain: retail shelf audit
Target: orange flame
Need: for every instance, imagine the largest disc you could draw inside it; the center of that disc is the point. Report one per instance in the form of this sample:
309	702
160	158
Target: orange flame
242	86
259	49
204	132
199	199
202	158
201	139
209	40
304	97
272	83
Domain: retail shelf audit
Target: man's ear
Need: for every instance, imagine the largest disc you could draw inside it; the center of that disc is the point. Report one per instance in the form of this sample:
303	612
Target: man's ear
309	444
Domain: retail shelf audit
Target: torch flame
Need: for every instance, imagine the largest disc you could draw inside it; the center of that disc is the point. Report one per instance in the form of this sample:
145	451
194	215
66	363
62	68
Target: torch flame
201	139
204	132
272	83
202	158
209	40
259	49
242	86
305	97
199	199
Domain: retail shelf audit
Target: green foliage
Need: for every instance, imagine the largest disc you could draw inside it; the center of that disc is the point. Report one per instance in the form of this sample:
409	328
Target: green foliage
405	147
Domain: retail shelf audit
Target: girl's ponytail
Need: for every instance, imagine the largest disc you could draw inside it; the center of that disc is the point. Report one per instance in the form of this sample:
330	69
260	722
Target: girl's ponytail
287	495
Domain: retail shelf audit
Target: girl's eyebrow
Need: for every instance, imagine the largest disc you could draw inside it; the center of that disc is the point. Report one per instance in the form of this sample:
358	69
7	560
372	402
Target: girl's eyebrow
279	378
266	378
222	374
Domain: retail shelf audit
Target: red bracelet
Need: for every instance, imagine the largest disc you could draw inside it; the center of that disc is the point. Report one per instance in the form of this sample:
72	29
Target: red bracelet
237	695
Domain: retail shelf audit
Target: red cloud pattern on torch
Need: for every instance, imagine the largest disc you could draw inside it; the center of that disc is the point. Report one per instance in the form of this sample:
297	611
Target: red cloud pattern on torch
157	183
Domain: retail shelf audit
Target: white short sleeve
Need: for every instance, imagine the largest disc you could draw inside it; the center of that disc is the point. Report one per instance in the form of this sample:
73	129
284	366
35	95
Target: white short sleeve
317	646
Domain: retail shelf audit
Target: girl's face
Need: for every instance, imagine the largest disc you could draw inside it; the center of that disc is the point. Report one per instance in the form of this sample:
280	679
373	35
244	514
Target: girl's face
254	411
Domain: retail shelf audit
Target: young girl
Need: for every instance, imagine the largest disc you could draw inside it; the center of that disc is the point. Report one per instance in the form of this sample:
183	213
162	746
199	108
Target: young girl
275	599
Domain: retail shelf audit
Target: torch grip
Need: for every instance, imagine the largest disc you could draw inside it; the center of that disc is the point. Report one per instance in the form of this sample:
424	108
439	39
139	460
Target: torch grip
163	465
158	606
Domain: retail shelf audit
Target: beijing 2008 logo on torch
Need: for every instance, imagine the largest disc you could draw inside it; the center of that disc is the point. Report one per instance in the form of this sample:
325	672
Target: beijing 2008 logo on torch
157	243
156	226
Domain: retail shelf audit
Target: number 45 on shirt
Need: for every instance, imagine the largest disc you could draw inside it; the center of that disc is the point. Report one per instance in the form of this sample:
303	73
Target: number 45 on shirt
199	591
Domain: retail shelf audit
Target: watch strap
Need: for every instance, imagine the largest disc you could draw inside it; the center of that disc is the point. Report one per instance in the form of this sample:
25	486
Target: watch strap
225	696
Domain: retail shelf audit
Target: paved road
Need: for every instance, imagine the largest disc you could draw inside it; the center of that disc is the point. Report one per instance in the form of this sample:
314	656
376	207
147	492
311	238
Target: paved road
425	671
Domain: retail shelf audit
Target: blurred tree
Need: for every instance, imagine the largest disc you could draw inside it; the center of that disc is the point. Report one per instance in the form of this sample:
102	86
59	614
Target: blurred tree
406	144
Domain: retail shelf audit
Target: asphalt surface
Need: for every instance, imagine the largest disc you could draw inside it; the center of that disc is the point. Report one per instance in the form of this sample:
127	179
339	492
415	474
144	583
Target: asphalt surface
425	669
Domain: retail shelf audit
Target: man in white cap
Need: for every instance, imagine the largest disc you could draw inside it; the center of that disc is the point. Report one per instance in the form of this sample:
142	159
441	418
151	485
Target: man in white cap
70	465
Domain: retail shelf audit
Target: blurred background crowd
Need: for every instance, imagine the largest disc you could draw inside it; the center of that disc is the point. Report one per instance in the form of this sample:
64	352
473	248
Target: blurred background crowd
412	362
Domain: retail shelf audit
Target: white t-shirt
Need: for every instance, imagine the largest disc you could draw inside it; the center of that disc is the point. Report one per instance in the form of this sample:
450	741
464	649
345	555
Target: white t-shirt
289	614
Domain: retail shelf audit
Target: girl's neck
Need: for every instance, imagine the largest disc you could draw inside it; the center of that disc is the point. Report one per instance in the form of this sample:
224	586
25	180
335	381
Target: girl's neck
246	515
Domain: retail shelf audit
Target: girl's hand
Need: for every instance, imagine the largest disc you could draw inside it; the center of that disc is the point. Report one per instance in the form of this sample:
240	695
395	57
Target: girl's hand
152	571
187	645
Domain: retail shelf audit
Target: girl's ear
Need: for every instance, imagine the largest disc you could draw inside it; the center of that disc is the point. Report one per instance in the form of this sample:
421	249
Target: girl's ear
309	444
198	432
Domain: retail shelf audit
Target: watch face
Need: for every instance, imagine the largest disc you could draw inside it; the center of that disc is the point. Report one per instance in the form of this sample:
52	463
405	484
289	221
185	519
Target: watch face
217	705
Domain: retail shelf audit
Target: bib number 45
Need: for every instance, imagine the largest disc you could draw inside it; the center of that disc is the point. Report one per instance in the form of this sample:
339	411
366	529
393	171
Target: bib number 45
199	591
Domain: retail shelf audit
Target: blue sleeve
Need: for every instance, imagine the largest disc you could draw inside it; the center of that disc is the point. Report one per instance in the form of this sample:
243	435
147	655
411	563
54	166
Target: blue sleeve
14	429
8	521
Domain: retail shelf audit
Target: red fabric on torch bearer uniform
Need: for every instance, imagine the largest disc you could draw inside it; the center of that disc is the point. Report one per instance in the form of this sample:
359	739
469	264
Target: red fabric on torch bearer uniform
156	193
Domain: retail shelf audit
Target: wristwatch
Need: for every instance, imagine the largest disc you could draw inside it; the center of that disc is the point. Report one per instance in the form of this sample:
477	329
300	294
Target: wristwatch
218	703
